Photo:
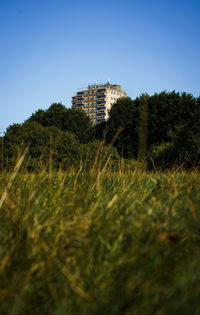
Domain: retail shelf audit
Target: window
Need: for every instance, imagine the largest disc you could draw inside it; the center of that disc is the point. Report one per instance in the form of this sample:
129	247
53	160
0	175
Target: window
85	105
95	92
95	109
91	116
90	92
111	98
90	104
95	103
85	93
95	97
91	109
86	98
86	110
90	98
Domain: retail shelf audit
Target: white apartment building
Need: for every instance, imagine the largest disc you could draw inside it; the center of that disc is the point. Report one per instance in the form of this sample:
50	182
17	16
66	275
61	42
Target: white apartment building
97	99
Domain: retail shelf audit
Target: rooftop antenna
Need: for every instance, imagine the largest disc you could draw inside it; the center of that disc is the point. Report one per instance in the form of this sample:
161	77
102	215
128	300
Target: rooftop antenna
108	80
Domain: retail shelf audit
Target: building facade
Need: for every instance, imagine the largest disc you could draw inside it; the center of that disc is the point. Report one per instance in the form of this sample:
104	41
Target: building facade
97	99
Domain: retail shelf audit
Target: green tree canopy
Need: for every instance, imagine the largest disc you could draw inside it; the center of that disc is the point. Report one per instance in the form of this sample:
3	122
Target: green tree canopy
123	126
166	114
43	142
66	119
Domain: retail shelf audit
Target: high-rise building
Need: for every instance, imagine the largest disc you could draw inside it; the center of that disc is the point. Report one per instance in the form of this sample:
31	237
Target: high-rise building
97	99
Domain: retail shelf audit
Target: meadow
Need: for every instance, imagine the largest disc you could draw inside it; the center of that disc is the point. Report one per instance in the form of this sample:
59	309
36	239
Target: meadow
96	240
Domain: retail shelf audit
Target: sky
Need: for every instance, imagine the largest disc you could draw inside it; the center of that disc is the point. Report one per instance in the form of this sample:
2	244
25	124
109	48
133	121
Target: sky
51	48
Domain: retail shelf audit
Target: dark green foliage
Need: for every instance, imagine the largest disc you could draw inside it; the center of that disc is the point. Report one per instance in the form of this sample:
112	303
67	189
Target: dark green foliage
123	125
183	146
143	124
44	143
71	119
50	147
162	129
53	116
77	121
166	111
54	136
100	130
168	127
181	143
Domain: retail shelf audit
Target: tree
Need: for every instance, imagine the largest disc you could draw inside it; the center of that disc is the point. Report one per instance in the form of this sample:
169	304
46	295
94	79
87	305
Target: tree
100	130
143	124
165	112
77	121
71	119
183	147
152	121
123	125
43	142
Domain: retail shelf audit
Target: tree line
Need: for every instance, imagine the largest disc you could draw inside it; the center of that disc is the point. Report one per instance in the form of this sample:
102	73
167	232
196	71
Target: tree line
163	130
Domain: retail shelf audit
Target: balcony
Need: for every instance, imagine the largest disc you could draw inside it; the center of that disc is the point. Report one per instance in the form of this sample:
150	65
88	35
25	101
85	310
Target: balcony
101	105
101	109
101	98
101	102
101	119
101	95
99	115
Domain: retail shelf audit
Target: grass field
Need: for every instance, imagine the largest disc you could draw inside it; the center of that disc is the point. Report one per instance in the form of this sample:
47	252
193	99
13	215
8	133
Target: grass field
100	242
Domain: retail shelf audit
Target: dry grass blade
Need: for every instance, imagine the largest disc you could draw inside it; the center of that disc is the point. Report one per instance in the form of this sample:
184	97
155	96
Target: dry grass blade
14	174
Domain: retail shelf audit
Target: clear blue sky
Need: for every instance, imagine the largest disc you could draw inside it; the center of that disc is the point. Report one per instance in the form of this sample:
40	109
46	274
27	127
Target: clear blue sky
49	48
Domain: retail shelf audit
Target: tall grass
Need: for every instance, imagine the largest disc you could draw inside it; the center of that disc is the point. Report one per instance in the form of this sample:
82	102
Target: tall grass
97	241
